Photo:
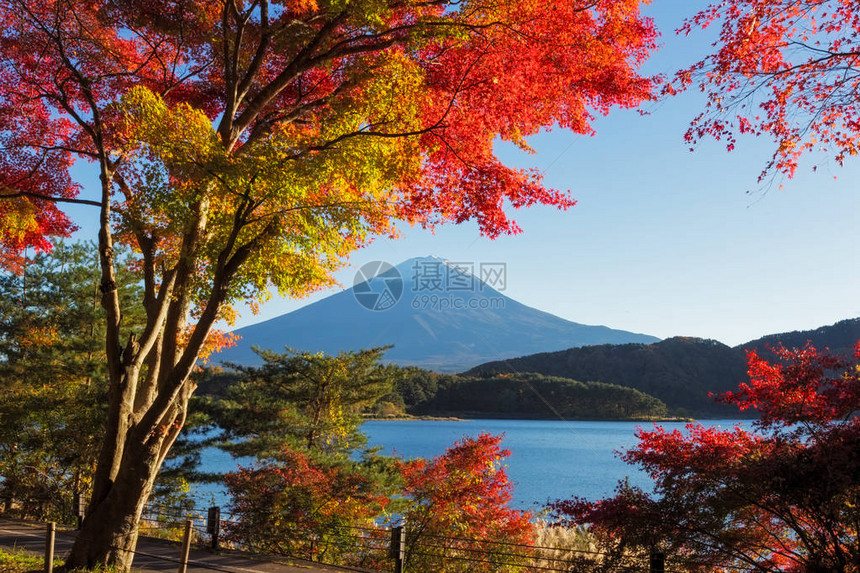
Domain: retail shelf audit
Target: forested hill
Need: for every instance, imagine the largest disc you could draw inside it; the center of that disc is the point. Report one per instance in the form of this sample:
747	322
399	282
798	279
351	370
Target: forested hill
839	337
527	395
672	377
679	371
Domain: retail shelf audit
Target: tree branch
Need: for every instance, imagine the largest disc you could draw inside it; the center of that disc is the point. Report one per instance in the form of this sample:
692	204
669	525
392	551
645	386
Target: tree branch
31	195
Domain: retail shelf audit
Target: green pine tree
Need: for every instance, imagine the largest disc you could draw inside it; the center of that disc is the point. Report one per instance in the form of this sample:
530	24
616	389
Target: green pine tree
53	379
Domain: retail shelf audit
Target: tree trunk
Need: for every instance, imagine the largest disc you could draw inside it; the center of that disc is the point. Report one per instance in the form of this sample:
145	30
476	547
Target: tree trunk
145	416
108	534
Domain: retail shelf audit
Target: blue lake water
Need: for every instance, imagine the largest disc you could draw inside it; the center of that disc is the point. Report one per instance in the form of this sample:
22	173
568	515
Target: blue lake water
549	459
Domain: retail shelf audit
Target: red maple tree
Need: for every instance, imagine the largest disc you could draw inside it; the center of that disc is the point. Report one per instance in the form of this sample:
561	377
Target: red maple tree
459	516
246	144
298	506
784	497
785	69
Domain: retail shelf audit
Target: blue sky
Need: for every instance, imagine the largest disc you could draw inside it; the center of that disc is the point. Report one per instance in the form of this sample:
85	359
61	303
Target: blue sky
662	241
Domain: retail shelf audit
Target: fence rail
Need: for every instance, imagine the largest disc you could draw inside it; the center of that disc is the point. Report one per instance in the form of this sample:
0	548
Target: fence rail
370	548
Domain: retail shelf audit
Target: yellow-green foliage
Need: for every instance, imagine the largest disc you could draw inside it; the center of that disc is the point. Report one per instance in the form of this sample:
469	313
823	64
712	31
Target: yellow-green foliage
386	409
315	192
20	561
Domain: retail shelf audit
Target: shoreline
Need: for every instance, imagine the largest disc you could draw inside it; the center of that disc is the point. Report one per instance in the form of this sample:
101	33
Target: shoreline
472	416
410	418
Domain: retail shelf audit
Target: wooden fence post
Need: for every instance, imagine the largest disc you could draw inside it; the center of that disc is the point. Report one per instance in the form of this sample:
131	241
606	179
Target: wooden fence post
397	549
658	562
49	546
186	547
213	525
79	508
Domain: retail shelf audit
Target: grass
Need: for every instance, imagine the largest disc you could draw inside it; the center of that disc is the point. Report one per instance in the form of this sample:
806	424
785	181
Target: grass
567	543
20	561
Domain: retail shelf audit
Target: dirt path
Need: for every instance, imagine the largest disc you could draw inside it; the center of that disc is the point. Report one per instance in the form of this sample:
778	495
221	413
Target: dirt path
154	555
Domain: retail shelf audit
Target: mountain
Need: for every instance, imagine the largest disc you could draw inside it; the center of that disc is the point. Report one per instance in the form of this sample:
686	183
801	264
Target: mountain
839	338
438	315
535	396
680	371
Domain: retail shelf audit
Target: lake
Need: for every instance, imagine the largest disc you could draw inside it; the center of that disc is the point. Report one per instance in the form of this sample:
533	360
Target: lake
549	459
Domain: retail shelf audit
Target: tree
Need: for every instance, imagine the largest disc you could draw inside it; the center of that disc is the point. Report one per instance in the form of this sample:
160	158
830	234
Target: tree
783	68
458	517
315	487
782	498
242	145
304	400
52	376
301	507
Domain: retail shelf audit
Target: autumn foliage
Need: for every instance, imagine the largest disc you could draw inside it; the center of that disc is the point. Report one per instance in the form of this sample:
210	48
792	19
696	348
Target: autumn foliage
301	507
319	493
458	517
784	69
455	508
784	497
243	146
376	110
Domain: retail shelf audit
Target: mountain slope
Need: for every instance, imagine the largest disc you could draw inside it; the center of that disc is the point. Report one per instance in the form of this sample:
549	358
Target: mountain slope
679	371
534	396
442	320
839	338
